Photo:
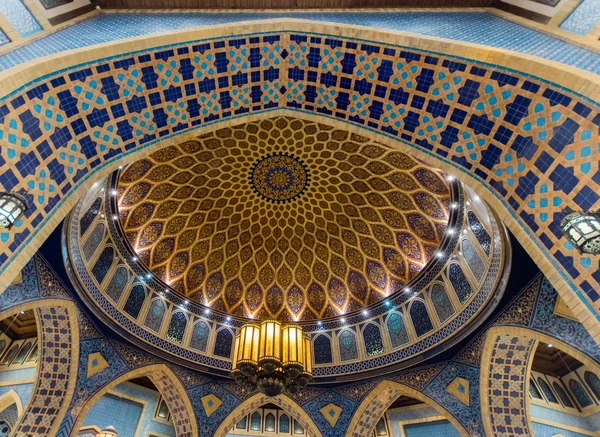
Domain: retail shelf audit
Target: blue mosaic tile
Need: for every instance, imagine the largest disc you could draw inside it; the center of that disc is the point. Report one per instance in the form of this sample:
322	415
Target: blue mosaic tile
20	17
472	27
583	18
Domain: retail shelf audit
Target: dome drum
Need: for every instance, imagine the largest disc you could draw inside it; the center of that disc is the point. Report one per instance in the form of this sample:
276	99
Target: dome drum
388	318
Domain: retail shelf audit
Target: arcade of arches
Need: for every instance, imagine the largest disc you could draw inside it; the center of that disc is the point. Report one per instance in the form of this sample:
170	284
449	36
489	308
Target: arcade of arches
393	181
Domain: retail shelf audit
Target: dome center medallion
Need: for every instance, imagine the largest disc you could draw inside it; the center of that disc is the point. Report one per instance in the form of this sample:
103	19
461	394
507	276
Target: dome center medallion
279	177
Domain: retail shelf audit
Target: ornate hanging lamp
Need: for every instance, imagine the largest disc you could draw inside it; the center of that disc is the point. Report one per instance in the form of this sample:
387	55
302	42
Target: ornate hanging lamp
12	207
583	231
272	358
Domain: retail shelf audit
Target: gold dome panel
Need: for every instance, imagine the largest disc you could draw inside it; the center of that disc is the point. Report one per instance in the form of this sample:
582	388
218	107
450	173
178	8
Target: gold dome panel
283	218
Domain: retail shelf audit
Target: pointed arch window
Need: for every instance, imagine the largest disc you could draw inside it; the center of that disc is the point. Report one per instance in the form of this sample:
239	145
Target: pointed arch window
441	302
459	282
481	234
200	335
103	264
474	261
372	339
255	421
155	315
270	422
420	318
322	350
117	283
594	382
136	299
223	343
562	395
533	390
348	349
284	424
89	216
583	399
93	241
397	330
548	393
176	329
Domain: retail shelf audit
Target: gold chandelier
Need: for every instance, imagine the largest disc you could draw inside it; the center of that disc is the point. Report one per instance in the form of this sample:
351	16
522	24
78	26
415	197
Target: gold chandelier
272	358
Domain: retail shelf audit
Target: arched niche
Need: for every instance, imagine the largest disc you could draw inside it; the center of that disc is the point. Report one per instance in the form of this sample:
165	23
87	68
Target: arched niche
170	388
506	362
559	75
290	407
58	337
373	407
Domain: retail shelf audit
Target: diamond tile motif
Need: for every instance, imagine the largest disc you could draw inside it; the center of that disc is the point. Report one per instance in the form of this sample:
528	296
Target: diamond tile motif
459	388
96	364
210	404
331	413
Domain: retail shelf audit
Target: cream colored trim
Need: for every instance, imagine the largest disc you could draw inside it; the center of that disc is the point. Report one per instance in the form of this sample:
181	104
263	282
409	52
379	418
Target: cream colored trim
565	427
402	424
155	434
17	382
9	398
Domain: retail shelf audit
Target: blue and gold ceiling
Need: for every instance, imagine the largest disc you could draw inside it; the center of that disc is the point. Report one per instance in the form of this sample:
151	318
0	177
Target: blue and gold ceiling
283	218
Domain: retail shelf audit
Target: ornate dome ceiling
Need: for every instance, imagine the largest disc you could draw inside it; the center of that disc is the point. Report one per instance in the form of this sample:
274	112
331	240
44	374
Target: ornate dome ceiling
283	218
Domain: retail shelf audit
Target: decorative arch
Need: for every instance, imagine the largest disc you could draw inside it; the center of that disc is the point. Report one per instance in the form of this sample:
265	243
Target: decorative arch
10	398
58	337
506	362
530	78
372	408
290	407
169	386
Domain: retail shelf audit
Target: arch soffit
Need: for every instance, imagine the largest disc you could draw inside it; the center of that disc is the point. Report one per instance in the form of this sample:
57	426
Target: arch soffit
560	74
72	313
290	407
9	398
386	392
153	372
538	337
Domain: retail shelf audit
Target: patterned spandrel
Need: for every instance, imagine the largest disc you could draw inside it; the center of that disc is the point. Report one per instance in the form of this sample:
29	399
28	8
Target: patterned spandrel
583	18
372	339
420	318
472	27
223	343
20	17
200	336
347	341
397	330
176	329
322	350
155	315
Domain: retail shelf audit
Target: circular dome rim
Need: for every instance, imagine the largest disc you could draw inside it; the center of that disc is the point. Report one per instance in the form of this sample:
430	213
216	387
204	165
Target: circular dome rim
307	314
448	243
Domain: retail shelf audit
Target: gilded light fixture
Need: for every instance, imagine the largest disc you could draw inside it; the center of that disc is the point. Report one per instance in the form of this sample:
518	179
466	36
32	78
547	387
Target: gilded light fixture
12	207
583	231
272	358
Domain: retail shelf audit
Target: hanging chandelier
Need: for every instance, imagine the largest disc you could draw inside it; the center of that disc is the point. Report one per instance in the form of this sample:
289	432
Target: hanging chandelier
583	231
12	207
271	358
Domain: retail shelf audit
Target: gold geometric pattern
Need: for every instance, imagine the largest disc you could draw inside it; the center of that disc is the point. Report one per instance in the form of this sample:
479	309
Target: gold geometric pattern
331	413
96	364
210	404
459	388
368	221
561	309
